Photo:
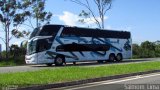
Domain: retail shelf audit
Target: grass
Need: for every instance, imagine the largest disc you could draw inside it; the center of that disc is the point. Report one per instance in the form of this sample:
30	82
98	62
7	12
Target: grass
73	73
7	63
11	62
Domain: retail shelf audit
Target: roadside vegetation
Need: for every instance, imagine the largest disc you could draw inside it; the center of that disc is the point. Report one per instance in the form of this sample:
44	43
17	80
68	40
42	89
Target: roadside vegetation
55	75
8	63
16	56
12	62
146	49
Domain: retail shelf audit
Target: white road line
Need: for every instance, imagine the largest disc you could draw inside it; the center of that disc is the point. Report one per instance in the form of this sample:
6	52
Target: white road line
111	82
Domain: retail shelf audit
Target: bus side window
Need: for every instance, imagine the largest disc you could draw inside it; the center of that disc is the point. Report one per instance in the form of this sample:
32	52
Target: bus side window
63	35
42	45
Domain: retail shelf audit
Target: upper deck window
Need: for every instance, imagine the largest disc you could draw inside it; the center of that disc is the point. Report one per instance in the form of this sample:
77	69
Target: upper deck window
49	30
84	32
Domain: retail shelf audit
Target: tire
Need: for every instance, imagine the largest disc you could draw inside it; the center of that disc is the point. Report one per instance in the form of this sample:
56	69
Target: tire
74	63
59	60
111	57
100	61
119	57
49	64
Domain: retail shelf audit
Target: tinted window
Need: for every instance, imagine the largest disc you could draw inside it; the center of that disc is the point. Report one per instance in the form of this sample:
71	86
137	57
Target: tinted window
49	30
83	32
70	31
44	44
34	33
31	47
83	47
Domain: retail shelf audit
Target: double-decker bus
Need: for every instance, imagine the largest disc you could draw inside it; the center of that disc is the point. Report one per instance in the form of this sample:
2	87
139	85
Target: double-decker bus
59	44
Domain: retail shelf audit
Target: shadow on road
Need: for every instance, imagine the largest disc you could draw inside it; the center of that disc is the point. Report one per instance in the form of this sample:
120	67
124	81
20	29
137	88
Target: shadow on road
94	63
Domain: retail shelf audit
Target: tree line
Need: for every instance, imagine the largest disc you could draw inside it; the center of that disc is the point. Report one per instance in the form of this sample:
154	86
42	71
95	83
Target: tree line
146	49
19	13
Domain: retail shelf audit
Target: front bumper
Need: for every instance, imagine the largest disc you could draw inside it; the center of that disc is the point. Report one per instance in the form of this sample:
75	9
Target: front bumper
31	59
30	62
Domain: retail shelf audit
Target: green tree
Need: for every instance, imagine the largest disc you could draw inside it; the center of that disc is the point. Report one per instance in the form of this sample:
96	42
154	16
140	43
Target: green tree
10	16
14	13
14	50
95	9
35	13
17	53
136	50
148	49
157	48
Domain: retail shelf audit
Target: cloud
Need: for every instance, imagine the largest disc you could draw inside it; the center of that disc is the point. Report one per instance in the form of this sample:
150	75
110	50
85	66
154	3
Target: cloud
69	18
92	20
73	19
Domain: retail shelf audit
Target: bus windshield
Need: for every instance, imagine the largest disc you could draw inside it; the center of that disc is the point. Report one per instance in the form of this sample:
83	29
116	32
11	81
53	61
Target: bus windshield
47	30
34	33
39	45
31	48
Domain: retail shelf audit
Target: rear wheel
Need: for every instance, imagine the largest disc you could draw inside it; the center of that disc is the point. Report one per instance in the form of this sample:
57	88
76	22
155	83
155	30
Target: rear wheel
111	57
119	57
59	60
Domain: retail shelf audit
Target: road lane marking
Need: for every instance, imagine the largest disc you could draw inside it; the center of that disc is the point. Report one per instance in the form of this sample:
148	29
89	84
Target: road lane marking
113	81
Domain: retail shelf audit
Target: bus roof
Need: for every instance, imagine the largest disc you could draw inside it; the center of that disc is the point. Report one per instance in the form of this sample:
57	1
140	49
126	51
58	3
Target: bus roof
89	32
58	25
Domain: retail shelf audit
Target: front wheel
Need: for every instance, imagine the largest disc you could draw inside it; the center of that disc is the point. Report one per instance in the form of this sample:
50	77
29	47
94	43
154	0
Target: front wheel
59	60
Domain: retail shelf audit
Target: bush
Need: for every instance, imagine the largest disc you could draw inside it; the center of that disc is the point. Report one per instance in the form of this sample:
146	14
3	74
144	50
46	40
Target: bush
16	55
146	50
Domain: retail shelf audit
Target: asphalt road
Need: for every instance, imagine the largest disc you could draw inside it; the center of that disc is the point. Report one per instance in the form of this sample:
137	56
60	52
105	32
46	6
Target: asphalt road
143	82
83	64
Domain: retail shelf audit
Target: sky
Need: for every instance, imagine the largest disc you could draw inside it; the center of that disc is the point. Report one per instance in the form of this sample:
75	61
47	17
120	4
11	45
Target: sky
140	17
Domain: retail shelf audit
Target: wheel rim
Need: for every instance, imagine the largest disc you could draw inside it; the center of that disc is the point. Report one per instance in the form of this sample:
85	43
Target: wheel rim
112	58
59	60
119	57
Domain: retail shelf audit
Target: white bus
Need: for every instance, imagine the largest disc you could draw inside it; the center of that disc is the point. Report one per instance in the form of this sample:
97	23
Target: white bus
59	44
